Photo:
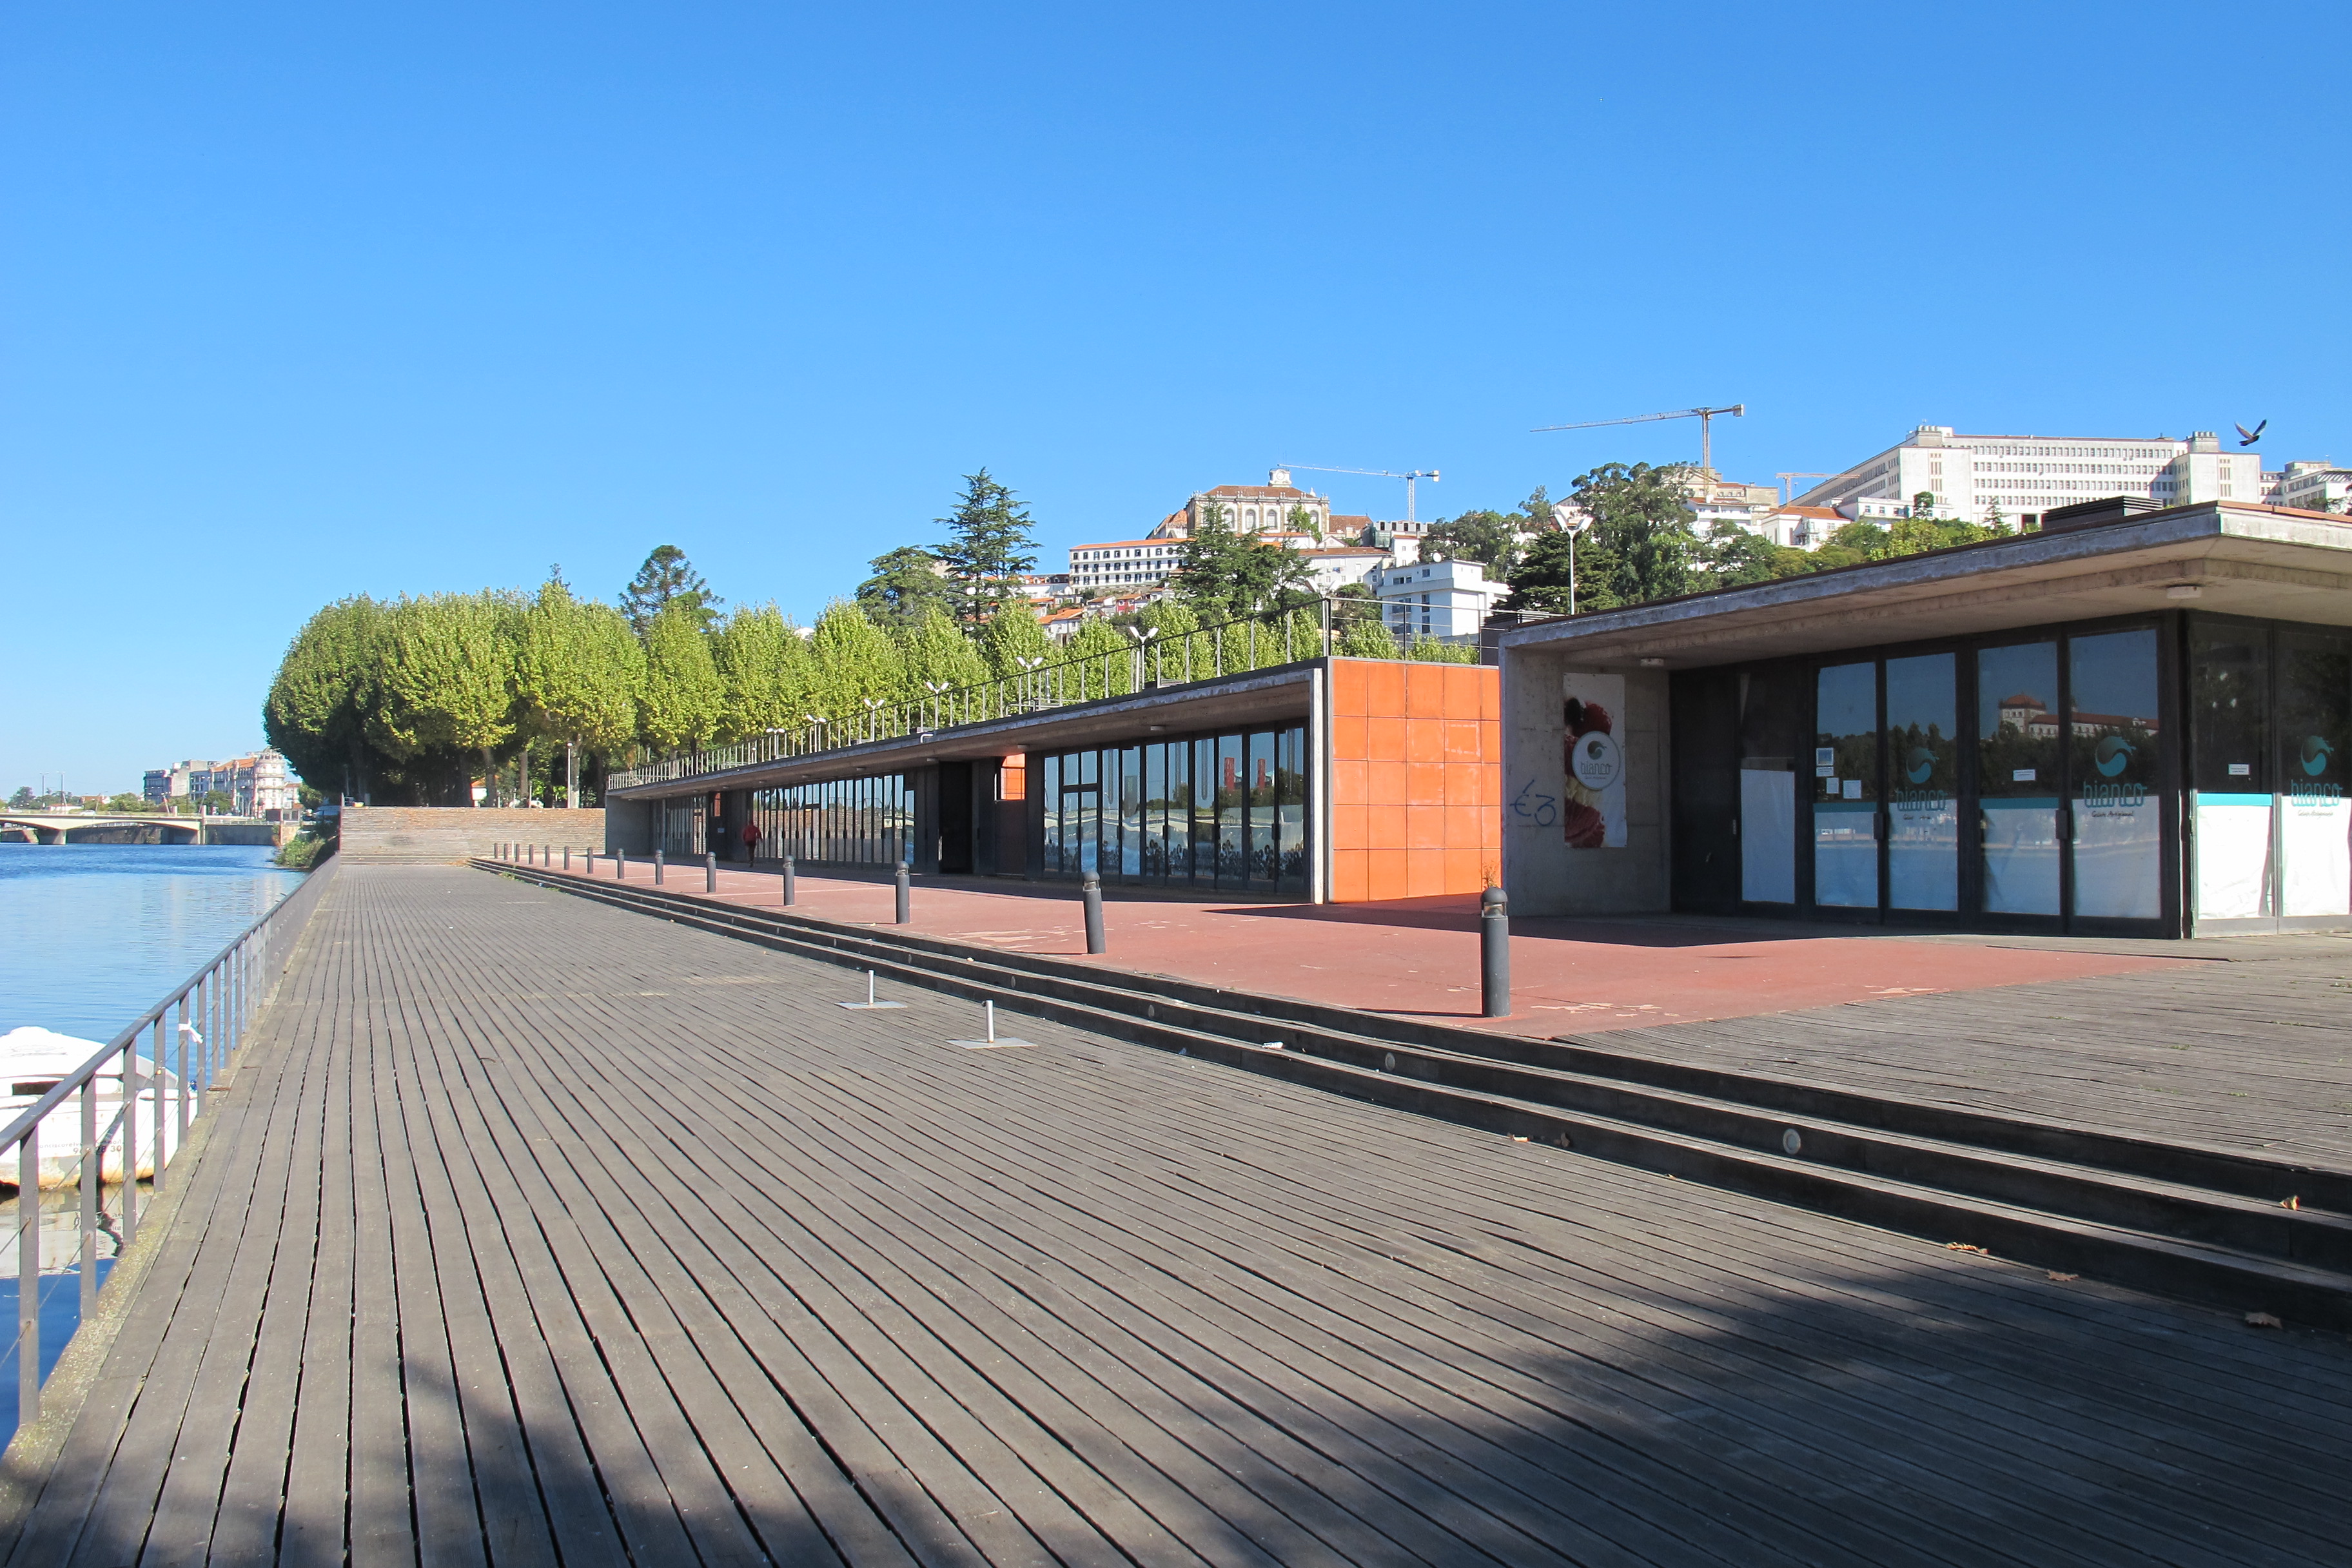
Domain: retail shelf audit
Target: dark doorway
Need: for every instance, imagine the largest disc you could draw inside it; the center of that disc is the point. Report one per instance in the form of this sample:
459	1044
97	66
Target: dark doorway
1706	751
955	819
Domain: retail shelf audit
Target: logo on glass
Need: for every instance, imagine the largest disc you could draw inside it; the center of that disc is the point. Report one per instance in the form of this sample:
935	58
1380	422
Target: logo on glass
2115	753
2316	754
1923	763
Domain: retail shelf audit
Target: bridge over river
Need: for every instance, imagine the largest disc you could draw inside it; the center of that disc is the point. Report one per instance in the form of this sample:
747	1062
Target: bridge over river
98	827
532	1230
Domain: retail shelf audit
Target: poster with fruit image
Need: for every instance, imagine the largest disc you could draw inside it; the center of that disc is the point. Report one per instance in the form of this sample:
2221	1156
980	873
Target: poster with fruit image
1593	709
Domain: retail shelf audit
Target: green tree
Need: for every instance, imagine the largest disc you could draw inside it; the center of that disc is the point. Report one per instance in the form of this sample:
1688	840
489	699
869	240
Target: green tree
1303	520
1489	538
1556	562
326	689
127	803
1923	503
905	585
683	700
938	657
1105	660
1208	566
854	664
668	577
766	673
580	674
1014	635
989	548
448	677
1221	575
1643	522
1368	637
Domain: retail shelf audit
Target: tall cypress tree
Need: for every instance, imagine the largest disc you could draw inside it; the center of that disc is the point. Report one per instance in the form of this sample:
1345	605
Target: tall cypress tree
989	547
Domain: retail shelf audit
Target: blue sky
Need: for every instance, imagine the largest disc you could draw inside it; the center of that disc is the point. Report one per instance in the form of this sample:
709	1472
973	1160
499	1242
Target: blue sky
298	301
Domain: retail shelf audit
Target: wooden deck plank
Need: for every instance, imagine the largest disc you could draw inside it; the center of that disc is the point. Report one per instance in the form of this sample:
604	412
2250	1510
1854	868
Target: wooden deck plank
558	1231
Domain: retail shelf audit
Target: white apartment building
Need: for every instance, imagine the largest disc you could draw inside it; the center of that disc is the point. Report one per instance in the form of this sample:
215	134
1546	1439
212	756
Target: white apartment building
2314	486
256	785
1121	564
1438	598
2024	476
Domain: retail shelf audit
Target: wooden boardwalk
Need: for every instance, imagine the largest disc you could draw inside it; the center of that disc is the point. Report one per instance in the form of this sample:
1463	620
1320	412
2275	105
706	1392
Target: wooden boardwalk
2249	1048
537	1232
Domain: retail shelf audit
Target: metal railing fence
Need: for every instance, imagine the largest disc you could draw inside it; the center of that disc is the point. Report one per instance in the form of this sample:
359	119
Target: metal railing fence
1305	629
201	1025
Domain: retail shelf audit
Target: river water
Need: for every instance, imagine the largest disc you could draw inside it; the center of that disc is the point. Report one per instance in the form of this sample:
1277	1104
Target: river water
91	935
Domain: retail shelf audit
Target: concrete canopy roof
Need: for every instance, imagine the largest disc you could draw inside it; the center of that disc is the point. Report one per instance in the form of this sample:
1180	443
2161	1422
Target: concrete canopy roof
1275	694
2267	562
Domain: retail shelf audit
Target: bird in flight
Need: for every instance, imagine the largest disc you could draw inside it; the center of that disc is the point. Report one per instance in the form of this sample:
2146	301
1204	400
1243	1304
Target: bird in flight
2253	436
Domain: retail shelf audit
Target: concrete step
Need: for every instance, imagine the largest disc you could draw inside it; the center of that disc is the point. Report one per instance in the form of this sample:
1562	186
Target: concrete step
1875	1163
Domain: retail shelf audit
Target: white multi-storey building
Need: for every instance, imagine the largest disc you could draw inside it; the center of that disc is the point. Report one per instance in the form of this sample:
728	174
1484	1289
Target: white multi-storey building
1436	598
2314	486
2024	476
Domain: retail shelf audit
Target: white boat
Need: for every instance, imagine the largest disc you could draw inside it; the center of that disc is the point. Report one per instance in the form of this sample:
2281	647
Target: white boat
35	1061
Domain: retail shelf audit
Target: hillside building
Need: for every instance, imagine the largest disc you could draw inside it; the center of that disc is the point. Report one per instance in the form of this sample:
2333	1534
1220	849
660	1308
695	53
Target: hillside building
2022	477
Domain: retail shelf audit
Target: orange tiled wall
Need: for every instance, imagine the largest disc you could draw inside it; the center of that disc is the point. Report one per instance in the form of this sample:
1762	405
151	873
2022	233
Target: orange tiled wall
1416	780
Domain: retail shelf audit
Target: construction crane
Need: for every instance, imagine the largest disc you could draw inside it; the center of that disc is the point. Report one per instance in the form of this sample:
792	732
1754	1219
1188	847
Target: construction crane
1429	474
1789	491
1705	428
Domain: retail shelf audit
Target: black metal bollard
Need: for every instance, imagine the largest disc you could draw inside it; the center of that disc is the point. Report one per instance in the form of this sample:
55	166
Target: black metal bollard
567	856
906	893
1495	953
1090	892
710	872
619	864
789	888
660	864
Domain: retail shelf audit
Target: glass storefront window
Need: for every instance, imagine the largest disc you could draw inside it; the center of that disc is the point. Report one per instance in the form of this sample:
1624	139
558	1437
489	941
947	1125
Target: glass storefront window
1213	810
2229	769
859	822
1264	858
1233	866
1845	795
1771	708
2314	727
1290	809
2113	764
2018	761
1923	752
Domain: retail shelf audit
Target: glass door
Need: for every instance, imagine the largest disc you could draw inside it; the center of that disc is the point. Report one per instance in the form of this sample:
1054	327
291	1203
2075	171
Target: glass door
2018	759
2229	771
2315	712
1771	717
1922	758
2117	842
1845	797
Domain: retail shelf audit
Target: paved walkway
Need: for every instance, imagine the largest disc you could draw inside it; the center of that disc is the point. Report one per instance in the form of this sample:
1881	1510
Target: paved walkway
535	1231
1419	956
2240	1042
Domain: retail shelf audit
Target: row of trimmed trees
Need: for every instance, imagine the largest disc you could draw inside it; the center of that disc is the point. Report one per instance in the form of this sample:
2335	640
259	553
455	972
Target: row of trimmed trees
412	701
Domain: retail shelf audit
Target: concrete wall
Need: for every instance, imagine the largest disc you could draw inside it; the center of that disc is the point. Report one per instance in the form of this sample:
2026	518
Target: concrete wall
632	826
441	836
1542	873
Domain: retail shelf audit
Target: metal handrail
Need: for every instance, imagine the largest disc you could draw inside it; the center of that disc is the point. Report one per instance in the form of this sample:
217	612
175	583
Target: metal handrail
1206	653
215	1007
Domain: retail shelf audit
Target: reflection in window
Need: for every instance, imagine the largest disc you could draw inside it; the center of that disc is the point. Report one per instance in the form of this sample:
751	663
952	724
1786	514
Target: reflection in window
2016	777
2112	764
1845	803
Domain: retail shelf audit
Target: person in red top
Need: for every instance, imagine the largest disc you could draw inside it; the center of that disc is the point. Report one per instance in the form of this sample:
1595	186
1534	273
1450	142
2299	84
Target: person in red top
750	842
